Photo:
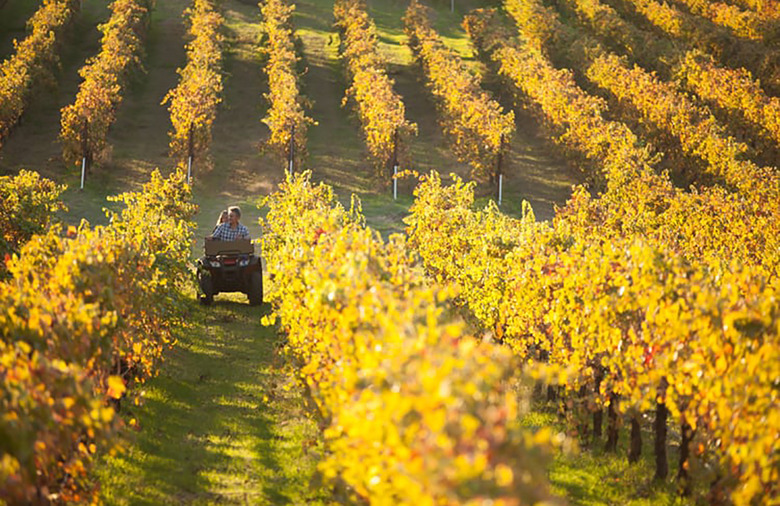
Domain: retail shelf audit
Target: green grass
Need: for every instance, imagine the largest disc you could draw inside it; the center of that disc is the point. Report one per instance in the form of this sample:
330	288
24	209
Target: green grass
221	424
595	478
589	476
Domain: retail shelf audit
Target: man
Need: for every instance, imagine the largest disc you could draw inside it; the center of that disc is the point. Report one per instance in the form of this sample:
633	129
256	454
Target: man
232	229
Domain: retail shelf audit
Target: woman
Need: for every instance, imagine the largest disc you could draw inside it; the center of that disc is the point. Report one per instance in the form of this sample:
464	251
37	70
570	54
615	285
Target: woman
223	218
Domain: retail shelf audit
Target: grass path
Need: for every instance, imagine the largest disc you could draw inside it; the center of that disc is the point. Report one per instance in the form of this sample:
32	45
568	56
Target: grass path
594	477
218	425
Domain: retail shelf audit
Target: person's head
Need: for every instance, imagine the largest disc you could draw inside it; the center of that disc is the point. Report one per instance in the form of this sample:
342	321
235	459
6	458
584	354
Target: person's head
223	217
234	214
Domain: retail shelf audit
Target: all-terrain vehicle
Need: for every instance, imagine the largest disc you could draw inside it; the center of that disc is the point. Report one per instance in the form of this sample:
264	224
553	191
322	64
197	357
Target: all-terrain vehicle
230	266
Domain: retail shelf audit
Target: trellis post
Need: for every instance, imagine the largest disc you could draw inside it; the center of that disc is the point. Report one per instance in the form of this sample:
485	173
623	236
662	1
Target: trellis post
84	150
499	169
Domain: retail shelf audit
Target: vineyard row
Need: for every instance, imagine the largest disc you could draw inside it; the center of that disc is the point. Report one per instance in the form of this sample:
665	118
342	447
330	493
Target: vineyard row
379	107
286	117
33	59
732	90
413	411
635	319
86	314
476	124
699	134
85	123
193	103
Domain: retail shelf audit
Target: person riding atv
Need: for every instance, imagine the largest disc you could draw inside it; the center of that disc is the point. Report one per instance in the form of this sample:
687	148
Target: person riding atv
229	263
231	229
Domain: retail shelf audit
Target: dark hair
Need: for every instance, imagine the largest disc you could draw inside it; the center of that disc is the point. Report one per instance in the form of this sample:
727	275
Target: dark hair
235	209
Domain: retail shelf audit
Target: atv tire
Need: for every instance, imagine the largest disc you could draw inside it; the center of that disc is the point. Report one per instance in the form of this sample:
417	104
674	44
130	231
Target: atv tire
207	287
255	289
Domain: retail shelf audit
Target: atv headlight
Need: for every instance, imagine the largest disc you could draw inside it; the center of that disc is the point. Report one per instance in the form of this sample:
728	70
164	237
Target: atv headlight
243	262
214	263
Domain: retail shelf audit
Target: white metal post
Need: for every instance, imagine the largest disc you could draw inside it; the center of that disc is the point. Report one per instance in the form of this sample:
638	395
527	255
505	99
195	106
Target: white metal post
83	170
189	170
500	187
395	182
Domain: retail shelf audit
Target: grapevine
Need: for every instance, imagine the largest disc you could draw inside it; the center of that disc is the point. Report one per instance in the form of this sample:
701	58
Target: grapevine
193	103
86	314
475	123
33	58
743	23
85	123
413	410
680	25
698	132
287	105
731	90
635	324
28	204
379	107
578	116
